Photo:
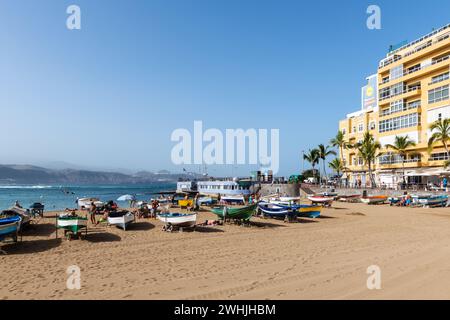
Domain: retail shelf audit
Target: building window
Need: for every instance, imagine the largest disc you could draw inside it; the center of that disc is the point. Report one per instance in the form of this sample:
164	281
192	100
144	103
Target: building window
406	121
438	156
438	94
360	127
396	72
440	78
354	129
372	125
392	158
343	131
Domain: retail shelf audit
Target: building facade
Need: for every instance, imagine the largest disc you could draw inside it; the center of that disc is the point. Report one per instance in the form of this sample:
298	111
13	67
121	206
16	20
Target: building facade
409	92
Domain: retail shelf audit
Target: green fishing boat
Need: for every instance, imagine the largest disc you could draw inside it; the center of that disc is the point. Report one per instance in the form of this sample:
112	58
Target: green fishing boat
242	213
71	223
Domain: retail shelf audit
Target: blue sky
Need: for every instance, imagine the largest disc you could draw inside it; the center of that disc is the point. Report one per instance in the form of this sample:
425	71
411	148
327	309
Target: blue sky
110	95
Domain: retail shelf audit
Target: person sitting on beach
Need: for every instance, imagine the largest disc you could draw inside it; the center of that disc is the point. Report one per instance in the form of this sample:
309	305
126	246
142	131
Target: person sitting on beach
104	217
92	211
143	212
17	204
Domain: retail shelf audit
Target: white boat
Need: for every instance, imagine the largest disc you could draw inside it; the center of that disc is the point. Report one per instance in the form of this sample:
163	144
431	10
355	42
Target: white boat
85	203
178	219
374	199
321	199
289	199
72	223
236	199
121	219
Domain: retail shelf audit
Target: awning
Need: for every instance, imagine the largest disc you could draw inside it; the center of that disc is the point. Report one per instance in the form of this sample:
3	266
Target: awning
427	173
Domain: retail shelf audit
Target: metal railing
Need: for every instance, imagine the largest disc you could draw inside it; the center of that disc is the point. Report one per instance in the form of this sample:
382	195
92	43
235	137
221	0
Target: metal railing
405	90
387	61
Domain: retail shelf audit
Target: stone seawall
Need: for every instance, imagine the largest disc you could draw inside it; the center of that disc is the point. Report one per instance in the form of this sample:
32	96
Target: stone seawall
284	189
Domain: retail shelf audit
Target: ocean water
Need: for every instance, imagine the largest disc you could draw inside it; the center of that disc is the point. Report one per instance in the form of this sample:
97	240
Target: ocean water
61	197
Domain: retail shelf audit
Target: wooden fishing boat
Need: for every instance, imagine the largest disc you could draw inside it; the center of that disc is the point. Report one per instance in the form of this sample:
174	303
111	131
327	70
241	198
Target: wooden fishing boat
233	199
24	214
10	226
71	223
241	213
289	199
323	200
349	198
186	202
85	203
374	199
310	211
430	200
178	220
207	201
276	210
121	219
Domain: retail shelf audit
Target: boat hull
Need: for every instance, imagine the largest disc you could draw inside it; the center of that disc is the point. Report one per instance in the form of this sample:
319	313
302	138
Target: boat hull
309	211
179	220
73	224
123	221
374	200
275	210
321	199
10	226
243	213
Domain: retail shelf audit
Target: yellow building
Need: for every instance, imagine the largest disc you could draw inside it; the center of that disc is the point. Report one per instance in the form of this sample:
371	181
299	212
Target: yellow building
409	92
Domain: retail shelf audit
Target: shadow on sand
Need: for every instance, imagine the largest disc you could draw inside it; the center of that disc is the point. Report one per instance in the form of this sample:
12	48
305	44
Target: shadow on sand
101	237
140	226
264	224
207	229
306	220
325	217
41	229
32	246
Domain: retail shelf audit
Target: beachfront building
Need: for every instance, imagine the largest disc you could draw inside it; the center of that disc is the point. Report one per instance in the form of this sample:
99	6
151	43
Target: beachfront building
408	93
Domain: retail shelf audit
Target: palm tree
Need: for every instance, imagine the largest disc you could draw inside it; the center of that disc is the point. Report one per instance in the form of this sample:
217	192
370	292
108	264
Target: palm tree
339	142
441	134
324	152
337	165
400	146
368	150
312	156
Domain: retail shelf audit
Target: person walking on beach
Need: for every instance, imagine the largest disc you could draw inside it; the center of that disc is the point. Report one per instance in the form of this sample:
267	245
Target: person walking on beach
92	210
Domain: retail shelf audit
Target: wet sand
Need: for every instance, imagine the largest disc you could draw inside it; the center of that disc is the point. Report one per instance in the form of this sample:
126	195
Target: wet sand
324	258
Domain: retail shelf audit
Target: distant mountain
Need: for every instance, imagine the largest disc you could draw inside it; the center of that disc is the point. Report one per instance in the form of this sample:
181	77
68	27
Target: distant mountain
27	174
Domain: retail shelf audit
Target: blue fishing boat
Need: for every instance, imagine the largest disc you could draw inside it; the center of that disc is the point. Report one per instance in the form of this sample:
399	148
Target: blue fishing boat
10	226
278	211
430	200
310	211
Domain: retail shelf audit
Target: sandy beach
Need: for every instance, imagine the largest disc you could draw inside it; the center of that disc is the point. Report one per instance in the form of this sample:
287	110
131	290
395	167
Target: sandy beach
325	258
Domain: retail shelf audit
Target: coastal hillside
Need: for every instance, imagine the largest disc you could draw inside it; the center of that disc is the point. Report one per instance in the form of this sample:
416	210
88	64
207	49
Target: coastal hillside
27	174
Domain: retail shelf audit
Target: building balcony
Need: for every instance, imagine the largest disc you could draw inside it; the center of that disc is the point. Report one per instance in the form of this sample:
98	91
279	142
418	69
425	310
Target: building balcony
407	92
417	49
418	72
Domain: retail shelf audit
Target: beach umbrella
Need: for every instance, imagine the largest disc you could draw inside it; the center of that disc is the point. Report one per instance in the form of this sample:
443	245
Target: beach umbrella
126	197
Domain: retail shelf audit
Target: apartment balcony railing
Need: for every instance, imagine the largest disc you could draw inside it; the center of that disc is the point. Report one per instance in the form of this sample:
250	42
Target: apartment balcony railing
405	90
387	61
398	161
411	106
418	68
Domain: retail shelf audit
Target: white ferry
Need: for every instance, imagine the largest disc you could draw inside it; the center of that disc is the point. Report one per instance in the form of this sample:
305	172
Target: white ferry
224	187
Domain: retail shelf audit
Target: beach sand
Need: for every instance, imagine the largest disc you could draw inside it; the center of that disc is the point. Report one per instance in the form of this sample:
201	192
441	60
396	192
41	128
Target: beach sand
325	258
